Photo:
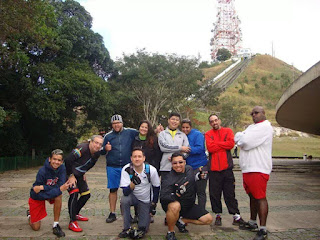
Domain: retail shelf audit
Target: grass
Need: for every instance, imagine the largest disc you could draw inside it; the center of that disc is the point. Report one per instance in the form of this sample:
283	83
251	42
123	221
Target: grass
296	146
262	83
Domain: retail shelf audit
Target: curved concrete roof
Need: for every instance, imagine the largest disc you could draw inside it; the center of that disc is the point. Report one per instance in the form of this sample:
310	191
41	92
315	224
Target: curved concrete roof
299	106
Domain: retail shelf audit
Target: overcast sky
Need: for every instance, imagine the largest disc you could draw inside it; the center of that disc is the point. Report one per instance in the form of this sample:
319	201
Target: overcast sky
184	27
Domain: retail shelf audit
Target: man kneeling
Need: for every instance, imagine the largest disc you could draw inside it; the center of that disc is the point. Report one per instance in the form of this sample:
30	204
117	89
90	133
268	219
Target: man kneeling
136	180
177	197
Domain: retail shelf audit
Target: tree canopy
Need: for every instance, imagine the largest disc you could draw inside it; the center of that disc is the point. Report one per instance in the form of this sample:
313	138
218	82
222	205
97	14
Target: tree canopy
53	72
157	83
223	54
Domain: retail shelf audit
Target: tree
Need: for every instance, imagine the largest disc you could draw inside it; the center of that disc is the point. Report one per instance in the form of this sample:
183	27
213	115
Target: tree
231	110
158	82
223	54
53	73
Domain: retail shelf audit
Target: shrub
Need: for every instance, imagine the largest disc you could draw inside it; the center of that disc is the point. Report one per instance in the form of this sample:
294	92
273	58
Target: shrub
264	80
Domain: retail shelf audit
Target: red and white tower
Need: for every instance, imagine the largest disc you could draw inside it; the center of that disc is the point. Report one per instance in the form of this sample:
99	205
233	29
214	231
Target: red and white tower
226	33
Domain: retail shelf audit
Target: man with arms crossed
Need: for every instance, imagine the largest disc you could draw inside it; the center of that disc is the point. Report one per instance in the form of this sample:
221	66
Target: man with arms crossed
255	160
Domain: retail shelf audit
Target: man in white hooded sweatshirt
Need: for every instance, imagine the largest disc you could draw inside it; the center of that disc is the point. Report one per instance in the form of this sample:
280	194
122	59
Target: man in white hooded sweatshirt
255	161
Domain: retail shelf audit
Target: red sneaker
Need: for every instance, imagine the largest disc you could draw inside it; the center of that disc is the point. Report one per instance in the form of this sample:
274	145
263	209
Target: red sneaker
79	217
73	226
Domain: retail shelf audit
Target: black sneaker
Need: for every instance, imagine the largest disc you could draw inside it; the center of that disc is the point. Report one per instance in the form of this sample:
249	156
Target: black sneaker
261	234
28	213
181	227
171	236
124	233
135	219
135	233
218	221
58	231
253	227
238	222
112	217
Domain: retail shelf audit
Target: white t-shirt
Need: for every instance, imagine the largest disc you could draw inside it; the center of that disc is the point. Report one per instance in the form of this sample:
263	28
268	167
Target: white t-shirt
141	191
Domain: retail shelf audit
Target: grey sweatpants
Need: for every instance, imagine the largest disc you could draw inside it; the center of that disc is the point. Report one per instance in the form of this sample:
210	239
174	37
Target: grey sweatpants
143	211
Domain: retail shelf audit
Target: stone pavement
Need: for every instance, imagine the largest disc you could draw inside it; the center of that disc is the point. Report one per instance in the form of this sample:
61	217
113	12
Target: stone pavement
293	195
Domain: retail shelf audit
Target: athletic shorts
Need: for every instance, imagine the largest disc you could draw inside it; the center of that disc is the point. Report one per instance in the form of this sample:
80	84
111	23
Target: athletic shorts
81	187
194	212
113	176
255	183
37	209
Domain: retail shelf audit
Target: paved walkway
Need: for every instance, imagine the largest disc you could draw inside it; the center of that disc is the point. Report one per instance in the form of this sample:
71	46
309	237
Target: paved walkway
293	195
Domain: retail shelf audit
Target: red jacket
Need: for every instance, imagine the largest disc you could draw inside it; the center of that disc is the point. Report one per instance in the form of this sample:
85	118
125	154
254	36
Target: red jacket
219	143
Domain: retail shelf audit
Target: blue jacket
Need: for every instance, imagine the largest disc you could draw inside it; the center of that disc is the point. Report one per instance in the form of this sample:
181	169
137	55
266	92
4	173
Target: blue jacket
51	180
121	143
197	156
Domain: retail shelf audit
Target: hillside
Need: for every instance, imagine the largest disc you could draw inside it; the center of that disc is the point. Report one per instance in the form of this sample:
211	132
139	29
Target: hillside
261	83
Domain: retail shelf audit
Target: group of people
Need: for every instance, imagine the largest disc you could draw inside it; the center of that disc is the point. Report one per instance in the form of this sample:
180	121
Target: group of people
169	164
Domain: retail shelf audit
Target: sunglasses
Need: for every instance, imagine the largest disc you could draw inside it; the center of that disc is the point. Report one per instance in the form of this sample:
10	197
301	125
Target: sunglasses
175	163
254	113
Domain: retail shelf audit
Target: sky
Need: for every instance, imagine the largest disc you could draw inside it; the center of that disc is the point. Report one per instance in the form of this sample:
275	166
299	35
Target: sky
183	27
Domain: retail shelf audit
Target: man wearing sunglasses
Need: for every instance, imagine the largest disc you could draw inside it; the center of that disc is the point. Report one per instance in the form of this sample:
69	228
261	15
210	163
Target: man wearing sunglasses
178	195
255	161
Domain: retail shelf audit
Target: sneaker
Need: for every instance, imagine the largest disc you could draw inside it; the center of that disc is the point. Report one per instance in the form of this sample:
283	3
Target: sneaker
79	217
73	226
28	214
135	219
181	227
137	233
58	231
261	234
238	222
112	217
124	233
171	236
253	227
218	221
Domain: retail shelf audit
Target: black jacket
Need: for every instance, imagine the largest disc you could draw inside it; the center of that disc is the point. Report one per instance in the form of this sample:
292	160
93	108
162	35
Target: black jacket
153	153
168	195
80	160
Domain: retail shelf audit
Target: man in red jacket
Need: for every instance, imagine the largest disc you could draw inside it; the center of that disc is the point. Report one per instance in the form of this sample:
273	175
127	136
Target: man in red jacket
219	141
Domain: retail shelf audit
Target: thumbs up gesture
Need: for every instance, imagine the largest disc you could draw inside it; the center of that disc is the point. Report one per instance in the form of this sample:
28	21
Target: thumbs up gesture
108	147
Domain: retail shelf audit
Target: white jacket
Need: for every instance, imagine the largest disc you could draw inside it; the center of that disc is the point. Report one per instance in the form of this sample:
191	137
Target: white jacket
168	146
256	148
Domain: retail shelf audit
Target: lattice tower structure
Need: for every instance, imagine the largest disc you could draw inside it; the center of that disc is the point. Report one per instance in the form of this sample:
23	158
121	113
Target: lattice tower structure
226	33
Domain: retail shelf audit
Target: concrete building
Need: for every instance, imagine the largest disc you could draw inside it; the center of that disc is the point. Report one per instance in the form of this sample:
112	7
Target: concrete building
299	106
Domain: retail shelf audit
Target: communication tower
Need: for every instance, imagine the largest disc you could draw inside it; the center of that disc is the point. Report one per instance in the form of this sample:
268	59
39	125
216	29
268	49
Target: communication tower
226	32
